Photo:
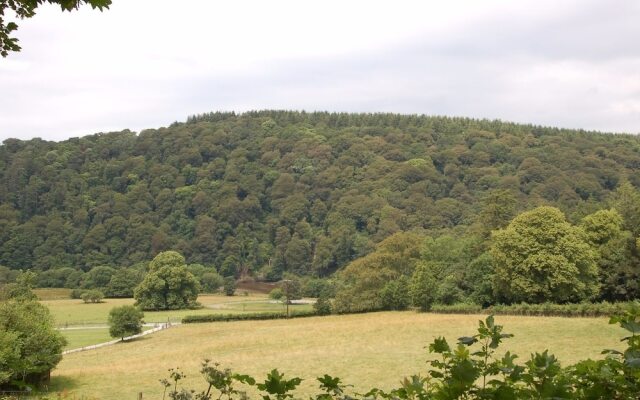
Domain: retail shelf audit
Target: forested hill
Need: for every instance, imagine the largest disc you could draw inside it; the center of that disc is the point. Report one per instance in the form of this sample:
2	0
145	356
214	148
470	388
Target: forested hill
275	191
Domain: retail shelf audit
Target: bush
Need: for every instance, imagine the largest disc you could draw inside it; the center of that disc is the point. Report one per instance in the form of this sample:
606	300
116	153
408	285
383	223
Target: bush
276	294
211	282
76	293
322	306
92	296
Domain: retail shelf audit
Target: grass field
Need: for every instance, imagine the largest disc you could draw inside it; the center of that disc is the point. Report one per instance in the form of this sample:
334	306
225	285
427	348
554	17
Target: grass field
366	350
77	338
71	312
84	337
52	293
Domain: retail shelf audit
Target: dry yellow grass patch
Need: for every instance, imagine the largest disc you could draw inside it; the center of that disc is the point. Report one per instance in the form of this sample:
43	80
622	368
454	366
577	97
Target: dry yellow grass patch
366	350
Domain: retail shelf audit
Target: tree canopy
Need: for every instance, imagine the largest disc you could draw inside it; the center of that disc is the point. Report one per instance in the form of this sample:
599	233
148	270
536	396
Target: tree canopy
268	193
541	257
168	285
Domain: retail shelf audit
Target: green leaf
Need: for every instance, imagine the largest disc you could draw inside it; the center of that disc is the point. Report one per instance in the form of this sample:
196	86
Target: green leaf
439	346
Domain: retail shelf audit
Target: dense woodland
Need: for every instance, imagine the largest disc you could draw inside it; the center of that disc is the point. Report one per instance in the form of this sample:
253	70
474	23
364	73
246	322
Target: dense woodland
272	192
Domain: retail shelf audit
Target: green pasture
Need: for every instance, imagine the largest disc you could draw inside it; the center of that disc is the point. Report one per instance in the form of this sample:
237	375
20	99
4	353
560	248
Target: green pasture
84	337
71	312
365	350
81	337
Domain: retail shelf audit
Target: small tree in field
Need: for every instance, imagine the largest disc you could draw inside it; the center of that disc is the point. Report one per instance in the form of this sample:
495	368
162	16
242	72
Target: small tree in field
92	296
292	290
229	285
125	321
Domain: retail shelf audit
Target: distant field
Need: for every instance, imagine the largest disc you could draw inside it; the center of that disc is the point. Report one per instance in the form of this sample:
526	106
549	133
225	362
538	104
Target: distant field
366	350
70	312
52	293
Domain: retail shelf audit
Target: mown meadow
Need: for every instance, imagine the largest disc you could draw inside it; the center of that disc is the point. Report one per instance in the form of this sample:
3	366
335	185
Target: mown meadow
367	350
86	323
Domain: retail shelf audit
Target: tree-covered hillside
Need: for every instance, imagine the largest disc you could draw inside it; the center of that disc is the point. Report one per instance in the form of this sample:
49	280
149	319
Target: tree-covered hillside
273	191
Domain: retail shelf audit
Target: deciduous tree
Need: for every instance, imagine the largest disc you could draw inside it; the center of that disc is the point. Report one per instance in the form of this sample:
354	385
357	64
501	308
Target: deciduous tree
168	285
125	321
541	257
29	343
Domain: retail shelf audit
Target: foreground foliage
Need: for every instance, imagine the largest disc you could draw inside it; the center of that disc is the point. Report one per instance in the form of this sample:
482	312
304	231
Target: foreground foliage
29	345
472	369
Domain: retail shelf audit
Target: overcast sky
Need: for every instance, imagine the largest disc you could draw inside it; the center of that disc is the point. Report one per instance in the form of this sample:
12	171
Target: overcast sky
148	63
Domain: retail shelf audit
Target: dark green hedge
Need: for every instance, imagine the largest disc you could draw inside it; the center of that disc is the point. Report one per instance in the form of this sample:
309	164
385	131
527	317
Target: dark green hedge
604	309
191	319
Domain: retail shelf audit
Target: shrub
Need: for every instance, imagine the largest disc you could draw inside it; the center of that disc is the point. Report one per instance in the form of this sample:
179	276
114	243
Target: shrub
322	306
211	282
76	293
92	296
276	294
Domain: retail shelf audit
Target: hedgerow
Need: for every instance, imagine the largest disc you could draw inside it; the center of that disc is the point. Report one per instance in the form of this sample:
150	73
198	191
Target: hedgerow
603	309
190	319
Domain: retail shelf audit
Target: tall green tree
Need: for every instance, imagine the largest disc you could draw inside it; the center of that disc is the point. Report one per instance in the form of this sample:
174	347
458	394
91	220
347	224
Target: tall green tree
619	274
423	287
541	257
168	285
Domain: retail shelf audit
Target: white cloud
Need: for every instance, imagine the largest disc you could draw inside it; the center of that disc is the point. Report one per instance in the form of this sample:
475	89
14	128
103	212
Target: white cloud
147	63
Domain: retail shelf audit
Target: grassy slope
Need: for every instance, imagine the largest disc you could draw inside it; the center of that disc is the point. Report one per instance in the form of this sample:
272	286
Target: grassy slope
367	349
